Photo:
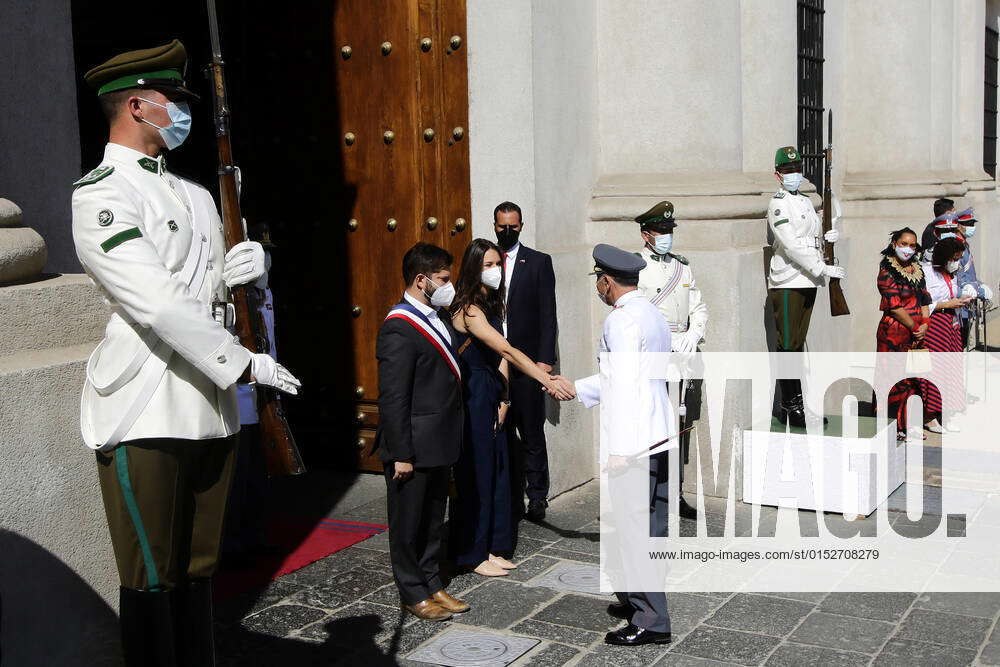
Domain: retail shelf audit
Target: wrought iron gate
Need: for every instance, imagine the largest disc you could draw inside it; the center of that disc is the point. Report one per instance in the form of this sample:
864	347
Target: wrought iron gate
810	126
990	104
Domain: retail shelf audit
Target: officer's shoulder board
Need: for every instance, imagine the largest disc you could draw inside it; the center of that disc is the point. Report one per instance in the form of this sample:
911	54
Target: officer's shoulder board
94	175
780	194
680	258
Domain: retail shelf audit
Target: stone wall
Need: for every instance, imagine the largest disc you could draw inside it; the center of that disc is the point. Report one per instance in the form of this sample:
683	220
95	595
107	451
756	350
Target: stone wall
59	573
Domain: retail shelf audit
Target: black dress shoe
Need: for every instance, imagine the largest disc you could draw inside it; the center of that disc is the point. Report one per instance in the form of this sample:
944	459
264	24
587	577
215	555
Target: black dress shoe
686	511
536	509
622	610
633	635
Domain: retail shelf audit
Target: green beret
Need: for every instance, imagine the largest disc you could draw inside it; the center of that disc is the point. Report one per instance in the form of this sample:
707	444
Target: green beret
786	154
661	214
160	68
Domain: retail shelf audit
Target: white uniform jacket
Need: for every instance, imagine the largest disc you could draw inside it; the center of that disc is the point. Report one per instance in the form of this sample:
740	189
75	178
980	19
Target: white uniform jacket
636	411
797	240
152	242
668	283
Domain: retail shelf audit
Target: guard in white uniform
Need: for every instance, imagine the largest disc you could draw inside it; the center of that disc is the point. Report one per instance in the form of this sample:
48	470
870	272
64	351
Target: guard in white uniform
796	269
668	283
636	415
159	401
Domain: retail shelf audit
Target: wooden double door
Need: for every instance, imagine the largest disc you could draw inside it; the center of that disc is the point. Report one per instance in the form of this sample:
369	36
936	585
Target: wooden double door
402	96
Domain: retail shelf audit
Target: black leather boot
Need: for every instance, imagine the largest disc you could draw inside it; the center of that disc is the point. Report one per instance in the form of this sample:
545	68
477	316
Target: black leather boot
791	409
147	628
194	624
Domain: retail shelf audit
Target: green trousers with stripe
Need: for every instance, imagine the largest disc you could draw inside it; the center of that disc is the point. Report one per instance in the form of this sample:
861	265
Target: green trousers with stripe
165	501
792	310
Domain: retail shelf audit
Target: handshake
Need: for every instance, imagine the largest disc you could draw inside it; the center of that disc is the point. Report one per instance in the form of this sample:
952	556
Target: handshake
559	388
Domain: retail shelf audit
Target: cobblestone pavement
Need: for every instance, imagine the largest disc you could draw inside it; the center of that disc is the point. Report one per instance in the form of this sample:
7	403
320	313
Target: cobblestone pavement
343	610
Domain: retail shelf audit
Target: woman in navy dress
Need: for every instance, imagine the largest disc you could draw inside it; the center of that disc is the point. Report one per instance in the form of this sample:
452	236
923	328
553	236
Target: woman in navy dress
482	528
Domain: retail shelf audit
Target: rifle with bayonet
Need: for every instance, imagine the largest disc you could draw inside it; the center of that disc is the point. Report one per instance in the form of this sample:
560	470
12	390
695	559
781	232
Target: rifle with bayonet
280	451
838	304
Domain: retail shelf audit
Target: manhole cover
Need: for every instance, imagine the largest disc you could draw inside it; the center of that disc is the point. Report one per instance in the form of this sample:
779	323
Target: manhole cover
582	578
573	577
474	649
465	648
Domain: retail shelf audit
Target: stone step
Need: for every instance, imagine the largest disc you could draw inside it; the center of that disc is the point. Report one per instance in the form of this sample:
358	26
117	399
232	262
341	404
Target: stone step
55	312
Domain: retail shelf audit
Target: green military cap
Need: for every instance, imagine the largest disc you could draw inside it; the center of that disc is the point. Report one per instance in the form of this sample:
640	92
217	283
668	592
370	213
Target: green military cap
160	68
785	155
616	262
660	216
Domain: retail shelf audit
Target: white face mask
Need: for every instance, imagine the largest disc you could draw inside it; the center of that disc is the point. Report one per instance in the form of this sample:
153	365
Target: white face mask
663	243
443	295
904	252
970	232
492	277
791	182
953	266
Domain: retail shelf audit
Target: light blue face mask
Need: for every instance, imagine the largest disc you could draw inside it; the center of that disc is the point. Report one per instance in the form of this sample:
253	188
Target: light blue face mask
970	232
180	123
663	243
791	182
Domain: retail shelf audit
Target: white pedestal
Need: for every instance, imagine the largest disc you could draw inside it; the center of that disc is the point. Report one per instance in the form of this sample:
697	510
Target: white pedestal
827	472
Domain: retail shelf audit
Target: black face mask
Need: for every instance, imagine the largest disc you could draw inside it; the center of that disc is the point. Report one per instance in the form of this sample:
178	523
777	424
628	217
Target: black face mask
507	237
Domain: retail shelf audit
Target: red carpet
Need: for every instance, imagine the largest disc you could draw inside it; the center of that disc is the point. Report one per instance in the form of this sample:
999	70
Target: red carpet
297	542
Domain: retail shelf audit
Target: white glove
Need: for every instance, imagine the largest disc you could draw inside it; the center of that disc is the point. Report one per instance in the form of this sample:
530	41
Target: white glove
831	271
688	343
244	264
265	370
969	290
832	236
987	293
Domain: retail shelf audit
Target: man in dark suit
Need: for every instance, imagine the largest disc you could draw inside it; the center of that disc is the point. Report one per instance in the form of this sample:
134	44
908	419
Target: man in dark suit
420	428
530	327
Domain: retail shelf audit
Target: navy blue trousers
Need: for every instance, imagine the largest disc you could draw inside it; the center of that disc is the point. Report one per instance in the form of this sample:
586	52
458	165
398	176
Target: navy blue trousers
481	522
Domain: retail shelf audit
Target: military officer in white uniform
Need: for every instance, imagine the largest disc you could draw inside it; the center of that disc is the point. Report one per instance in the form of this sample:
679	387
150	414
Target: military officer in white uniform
636	414
159	402
796	269
668	283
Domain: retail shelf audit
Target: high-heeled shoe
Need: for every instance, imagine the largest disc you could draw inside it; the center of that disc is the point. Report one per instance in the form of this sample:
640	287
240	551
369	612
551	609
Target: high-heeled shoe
502	562
488	569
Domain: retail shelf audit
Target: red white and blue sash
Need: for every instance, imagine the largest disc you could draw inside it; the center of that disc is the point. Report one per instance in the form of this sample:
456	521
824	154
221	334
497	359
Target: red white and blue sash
419	321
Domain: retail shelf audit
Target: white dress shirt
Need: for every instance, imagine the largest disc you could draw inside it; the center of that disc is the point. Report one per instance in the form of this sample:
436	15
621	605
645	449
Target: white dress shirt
510	259
431	315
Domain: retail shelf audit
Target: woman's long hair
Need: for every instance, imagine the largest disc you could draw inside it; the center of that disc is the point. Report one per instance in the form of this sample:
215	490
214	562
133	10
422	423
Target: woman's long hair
469	287
944	250
890	250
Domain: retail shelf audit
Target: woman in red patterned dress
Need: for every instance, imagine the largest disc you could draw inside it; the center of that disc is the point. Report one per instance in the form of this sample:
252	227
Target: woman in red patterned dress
904	307
944	333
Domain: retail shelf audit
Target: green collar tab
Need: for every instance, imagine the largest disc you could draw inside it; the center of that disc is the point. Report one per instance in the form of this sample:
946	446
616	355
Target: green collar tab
153	165
149	164
132	80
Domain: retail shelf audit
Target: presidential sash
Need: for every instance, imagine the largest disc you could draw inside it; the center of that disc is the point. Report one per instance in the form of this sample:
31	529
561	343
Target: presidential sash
419	321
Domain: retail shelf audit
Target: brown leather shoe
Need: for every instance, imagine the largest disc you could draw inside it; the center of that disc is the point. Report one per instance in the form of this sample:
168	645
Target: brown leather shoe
428	610
454	605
